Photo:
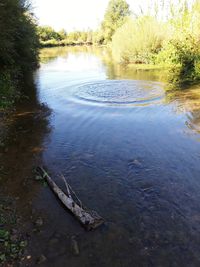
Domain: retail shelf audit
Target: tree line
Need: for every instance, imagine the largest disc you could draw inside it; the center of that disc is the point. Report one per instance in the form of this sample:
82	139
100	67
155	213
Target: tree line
169	39
116	14
165	34
49	37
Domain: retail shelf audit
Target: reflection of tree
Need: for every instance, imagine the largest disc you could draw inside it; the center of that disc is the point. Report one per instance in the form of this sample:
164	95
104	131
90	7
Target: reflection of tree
49	54
126	72
113	70
120	71
194	121
187	101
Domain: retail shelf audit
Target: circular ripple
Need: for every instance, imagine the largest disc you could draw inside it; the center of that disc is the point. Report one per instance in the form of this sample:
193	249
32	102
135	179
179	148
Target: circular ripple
121	92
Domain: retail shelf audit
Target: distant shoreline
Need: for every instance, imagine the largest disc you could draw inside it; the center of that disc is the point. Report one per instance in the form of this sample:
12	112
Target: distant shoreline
52	43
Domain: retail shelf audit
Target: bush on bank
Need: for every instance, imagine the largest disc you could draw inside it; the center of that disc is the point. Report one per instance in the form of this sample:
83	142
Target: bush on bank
173	43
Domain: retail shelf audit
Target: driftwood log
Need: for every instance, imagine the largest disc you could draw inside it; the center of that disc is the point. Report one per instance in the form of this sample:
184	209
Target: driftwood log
89	219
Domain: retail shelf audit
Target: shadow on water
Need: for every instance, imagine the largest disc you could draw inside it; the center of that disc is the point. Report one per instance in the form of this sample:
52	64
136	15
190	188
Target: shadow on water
22	142
137	165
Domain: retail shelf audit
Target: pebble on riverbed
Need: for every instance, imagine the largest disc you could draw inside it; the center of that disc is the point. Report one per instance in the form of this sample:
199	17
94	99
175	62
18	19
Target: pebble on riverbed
74	245
41	259
39	222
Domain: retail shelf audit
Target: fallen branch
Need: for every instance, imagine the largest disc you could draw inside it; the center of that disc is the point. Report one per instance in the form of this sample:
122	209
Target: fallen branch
70	189
67	186
89	219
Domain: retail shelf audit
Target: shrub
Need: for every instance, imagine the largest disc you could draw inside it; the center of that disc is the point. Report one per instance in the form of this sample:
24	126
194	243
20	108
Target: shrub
138	40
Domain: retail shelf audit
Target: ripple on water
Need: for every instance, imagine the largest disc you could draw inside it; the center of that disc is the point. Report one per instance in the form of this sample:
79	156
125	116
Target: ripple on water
120	92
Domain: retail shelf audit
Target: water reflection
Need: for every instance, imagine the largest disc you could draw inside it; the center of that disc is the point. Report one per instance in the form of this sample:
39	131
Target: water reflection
137	166
104	58
88	60
187	102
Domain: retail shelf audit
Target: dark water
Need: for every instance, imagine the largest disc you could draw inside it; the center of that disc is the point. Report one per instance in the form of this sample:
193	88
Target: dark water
130	151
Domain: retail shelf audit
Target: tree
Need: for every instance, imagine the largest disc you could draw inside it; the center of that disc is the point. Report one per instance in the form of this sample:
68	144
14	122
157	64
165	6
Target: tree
18	46
63	34
48	33
138	40
18	38
114	17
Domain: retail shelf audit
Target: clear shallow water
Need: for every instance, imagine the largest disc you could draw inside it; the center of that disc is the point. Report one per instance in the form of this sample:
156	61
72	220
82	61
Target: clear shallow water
138	166
130	151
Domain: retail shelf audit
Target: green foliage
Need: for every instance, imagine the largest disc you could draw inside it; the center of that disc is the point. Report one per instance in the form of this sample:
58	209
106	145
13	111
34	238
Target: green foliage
115	16
98	37
18	46
181	52
19	42
47	33
183	57
7	89
172	43
137	41
50	38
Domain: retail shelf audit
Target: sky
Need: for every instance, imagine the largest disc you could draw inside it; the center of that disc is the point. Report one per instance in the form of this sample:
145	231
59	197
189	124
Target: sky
86	14
74	14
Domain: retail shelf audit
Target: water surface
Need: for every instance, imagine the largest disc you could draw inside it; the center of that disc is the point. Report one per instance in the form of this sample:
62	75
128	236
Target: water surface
130	151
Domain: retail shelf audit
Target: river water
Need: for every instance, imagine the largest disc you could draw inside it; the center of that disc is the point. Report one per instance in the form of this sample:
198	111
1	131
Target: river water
131	152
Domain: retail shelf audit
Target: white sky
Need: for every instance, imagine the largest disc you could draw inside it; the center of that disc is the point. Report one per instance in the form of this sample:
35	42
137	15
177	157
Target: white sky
74	14
80	14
